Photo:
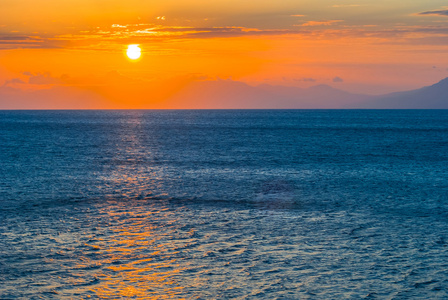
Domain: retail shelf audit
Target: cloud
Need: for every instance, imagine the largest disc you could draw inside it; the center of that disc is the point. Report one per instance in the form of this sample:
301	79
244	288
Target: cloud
346	5
107	38
306	79
16	80
13	82
15	41
42	78
30	41
442	12
15	38
321	23
338	79
141	33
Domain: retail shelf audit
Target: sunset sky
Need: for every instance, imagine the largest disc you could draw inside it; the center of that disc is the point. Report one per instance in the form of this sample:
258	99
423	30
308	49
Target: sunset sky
72	54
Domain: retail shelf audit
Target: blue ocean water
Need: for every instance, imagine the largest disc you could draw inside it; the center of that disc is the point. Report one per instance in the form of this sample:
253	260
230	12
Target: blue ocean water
224	204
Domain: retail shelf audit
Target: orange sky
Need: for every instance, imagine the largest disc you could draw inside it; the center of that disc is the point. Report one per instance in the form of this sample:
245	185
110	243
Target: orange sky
72	54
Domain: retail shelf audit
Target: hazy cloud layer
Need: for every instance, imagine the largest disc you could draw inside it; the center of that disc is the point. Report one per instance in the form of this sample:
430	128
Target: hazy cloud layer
148	33
321	23
61	25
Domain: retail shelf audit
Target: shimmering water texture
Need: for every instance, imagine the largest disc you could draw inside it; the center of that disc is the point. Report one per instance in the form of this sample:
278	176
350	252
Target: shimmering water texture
224	204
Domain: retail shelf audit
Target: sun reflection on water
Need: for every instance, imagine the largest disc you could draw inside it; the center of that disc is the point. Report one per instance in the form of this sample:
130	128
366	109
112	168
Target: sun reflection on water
132	169
130	257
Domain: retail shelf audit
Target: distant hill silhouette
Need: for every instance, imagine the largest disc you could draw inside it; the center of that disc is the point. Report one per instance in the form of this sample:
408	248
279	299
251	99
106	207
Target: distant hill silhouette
220	94
430	97
235	94
319	96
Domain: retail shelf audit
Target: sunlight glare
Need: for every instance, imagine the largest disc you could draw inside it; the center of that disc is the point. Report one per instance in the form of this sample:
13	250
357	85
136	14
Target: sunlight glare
134	52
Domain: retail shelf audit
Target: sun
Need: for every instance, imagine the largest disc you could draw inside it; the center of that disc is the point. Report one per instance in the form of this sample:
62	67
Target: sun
134	52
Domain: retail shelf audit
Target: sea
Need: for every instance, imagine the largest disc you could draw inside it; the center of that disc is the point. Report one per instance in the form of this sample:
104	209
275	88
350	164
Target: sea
224	204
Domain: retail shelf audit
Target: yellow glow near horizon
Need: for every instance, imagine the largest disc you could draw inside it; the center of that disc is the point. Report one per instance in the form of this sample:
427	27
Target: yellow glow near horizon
134	52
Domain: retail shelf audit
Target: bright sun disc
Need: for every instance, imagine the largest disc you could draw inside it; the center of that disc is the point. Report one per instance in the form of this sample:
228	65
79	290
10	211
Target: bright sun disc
134	52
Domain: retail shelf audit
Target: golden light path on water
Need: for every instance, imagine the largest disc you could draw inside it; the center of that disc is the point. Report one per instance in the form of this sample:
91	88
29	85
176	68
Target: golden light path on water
134	252
133	256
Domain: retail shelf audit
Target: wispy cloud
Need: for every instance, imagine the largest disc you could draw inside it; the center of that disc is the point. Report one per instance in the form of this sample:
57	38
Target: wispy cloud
346	5
106	38
442	12
321	23
145	33
42	78
12	82
305	79
8	41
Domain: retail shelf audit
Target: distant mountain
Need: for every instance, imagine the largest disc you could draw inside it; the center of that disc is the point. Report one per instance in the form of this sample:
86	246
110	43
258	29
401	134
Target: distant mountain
319	96
234	94
216	94
430	97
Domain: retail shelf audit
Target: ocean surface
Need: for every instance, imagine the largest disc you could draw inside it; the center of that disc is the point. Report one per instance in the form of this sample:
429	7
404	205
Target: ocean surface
231	204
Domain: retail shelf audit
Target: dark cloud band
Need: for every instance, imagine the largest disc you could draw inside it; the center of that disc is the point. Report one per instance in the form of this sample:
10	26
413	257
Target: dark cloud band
435	12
